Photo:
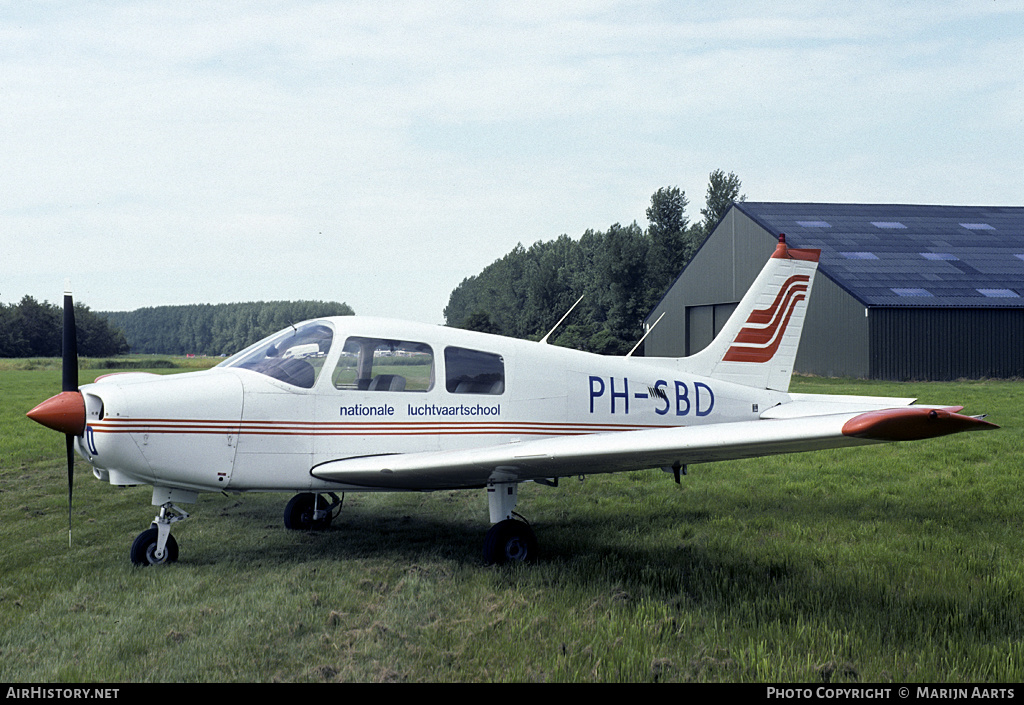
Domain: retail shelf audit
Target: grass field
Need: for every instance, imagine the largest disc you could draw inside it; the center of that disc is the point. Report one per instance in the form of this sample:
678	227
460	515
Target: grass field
890	563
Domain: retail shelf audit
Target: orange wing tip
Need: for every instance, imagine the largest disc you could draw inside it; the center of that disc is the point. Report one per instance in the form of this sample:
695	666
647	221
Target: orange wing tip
912	424
64	412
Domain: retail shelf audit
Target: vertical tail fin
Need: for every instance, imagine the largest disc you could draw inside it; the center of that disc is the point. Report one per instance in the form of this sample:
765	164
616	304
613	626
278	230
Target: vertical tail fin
758	345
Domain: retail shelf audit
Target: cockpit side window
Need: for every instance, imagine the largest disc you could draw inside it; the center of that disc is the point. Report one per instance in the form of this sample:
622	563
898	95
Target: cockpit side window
294	356
383	365
473	372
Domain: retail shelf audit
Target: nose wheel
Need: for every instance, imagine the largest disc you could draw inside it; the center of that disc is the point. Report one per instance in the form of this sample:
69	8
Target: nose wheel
144	549
155	545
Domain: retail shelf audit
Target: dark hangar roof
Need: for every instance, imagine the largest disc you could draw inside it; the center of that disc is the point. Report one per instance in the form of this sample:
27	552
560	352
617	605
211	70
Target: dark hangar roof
905	255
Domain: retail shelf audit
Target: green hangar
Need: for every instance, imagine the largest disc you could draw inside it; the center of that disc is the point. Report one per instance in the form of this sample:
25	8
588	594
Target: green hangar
903	292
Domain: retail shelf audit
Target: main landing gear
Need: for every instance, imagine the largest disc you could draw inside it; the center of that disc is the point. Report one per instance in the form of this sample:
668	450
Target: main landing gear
509	540
311	512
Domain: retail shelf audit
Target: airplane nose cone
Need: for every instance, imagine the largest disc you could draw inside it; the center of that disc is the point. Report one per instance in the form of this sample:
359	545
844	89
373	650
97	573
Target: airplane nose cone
64	412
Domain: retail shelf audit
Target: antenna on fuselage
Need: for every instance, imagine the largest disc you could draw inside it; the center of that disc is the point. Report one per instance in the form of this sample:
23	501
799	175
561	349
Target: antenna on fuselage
646	334
545	338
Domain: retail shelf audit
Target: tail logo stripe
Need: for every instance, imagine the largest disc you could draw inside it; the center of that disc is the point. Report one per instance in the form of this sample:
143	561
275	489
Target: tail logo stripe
765	315
761	336
762	342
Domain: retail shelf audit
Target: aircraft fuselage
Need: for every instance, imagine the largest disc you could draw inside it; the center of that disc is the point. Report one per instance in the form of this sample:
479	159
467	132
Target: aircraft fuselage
240	429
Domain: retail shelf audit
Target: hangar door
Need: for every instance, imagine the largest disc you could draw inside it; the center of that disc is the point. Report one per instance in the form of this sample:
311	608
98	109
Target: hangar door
703	323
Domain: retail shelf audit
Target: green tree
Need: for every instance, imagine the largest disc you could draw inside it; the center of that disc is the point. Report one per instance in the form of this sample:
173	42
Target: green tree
621	272
39	324
723	191
481	322
671	246
33	329
97	337
12	344
667	212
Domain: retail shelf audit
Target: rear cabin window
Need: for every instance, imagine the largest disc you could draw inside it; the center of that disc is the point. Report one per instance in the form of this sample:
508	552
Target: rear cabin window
379	365
473	372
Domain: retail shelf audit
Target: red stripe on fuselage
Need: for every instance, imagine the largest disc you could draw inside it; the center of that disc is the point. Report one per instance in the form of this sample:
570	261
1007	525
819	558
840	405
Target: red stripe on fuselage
397	428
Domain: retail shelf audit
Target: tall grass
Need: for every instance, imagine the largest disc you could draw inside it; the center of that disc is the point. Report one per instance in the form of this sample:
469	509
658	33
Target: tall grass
887	563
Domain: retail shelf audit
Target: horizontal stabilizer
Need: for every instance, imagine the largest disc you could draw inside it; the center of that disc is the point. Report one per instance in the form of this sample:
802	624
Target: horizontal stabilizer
803	405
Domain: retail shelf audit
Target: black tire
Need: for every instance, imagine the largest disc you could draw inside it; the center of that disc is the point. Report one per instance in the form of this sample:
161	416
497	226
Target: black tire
298	513
144	547
510	541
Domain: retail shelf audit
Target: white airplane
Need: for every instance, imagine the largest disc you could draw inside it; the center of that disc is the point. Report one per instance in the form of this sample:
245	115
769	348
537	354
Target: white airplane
349	404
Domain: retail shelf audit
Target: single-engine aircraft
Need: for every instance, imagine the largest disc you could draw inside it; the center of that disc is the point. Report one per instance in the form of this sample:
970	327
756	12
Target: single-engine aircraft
347	404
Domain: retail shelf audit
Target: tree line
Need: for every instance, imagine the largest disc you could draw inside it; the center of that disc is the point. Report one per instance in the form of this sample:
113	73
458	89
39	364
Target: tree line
33	329
621	272
214	329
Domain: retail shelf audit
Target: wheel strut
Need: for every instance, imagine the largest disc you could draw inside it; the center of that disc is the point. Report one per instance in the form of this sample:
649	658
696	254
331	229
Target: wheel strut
169	514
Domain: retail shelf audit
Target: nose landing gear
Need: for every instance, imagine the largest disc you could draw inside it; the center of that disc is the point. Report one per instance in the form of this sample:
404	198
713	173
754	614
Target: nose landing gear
155	545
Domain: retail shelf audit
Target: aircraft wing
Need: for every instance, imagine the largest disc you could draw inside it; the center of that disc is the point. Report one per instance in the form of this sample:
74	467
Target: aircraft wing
635	450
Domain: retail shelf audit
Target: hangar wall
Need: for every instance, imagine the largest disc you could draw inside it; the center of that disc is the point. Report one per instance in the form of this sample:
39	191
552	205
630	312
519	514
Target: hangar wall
946	344
836	337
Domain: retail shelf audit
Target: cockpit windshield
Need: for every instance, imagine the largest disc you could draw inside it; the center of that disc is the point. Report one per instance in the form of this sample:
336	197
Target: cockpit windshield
295	355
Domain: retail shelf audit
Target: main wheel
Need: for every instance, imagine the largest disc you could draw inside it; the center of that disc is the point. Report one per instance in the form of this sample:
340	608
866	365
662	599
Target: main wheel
298	513
510	541
144	549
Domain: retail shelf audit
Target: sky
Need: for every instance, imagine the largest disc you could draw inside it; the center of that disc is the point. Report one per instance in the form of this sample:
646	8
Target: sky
158	153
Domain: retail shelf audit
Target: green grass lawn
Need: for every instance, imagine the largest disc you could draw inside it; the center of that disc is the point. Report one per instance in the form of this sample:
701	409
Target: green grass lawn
889	563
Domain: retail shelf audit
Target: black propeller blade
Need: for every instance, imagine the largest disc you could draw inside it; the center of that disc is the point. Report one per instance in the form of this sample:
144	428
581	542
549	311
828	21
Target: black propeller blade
65	412
69	362
69	383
